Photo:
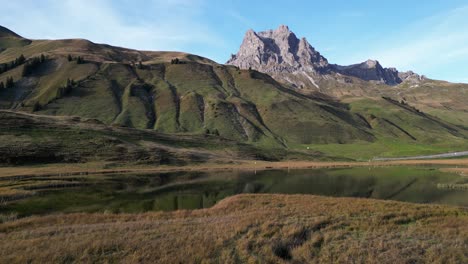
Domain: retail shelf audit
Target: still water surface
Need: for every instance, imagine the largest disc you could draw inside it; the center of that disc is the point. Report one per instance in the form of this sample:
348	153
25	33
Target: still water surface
191	190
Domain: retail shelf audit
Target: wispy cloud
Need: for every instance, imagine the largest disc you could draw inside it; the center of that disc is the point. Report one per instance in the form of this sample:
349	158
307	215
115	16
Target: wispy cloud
426	45
160	25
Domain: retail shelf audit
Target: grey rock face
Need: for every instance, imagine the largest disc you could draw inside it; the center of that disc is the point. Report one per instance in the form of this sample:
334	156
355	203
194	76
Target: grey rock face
289	59
371	70
411	76
276	51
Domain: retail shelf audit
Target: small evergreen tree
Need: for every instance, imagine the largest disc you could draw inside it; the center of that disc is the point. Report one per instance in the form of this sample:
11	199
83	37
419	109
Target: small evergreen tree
69	57
21	59
140	65
26	70
36	107
10	82
43	58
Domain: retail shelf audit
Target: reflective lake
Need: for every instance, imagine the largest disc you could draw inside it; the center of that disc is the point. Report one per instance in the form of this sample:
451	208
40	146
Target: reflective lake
191	190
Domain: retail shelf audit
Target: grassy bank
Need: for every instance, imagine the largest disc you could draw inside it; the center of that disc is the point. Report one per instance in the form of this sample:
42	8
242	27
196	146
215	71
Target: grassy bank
249	229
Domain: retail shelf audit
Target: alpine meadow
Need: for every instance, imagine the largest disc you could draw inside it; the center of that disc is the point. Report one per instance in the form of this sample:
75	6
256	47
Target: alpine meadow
275	154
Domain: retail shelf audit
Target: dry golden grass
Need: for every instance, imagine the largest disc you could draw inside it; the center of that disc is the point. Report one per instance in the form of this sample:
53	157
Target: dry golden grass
248	229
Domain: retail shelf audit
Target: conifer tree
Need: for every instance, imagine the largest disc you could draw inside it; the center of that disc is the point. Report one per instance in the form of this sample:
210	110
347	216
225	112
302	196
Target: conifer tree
10	82
21	59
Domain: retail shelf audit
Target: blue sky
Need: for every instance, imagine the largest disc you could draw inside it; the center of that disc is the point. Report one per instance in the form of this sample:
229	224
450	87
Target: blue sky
429	37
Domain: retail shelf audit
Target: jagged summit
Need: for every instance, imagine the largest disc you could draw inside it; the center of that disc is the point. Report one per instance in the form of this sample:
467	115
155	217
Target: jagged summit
371	63
287	58
372	70
277	50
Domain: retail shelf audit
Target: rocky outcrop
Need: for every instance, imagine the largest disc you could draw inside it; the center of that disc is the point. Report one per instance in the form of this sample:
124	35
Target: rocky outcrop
370	70
411	77
276	51
289	59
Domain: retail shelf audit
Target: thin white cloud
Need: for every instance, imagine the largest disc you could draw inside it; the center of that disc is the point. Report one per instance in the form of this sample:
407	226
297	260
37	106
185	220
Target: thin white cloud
171	25
424	46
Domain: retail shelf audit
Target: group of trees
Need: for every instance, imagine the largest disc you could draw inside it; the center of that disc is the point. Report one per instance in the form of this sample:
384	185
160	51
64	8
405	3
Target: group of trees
61	91
79	59
32	64
29	66
66	88
13	64
213	132
177	61
141	66
10	83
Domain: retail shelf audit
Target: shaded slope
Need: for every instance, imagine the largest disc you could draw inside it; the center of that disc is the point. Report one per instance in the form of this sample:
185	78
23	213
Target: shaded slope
31	139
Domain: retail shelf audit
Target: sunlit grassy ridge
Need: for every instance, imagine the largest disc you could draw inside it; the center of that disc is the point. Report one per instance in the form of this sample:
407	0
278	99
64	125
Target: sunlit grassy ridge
249	228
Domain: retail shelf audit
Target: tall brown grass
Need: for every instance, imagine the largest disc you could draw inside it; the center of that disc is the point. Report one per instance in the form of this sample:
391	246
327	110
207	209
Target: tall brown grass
248	229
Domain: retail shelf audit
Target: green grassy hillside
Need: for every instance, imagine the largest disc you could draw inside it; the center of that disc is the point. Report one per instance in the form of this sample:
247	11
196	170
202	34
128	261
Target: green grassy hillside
38	139
189	97
194	95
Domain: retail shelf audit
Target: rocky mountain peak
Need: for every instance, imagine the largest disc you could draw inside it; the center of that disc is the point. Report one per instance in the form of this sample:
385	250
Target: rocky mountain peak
371	63
277	50
287	58
283	28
